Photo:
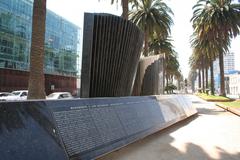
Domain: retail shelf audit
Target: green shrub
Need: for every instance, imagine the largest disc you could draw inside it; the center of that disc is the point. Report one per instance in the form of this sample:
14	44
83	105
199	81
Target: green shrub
170	88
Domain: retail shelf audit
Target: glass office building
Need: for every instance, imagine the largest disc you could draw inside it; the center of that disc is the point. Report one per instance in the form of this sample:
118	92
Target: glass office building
61	40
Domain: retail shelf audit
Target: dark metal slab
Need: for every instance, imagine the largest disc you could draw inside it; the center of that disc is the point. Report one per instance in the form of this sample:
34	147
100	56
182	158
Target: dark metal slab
90	128
149	79
28	132
83	128
111	51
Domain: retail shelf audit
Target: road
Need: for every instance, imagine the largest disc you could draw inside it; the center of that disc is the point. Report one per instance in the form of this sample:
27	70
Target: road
213	134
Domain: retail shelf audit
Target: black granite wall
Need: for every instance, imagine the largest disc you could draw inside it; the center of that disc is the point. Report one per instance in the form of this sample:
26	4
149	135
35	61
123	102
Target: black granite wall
149	79
111	51
83	128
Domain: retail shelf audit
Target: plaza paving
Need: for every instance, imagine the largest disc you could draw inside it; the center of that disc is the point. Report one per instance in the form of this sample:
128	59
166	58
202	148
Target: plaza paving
213	134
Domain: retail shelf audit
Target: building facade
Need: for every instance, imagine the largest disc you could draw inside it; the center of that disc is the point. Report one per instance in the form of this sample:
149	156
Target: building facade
229	65
234	83
61	48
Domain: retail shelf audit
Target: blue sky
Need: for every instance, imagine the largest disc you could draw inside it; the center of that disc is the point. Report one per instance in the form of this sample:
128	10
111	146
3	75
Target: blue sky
73	10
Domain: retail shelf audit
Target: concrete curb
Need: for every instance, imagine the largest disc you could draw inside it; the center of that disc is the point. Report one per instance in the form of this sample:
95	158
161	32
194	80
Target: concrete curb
217	100
230	109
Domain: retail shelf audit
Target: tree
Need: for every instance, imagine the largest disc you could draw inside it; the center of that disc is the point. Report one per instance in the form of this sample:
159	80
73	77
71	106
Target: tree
171	67
152	17
36	84
217	21
124	4
160	45
195	62
207	49
192	78
179	77
124	7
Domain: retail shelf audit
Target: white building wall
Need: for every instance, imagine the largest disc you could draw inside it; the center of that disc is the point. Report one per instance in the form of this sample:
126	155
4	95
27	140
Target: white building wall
234	84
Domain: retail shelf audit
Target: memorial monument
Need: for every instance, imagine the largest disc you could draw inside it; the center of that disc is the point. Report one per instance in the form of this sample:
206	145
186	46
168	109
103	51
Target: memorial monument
150	76
111	52
88	128
83	129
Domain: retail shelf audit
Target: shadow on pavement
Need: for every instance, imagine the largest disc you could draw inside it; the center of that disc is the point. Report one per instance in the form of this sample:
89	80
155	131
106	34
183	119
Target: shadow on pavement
158	147
211	111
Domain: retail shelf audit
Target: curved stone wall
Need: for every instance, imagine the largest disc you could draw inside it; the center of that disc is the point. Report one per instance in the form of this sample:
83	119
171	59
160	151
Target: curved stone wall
111	52
149	79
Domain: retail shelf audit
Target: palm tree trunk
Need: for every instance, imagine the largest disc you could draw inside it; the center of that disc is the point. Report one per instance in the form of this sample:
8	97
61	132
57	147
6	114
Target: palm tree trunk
36	84
206	76
212	77
199	79
125	9
146	43
166	84
222	82
178	83
164	72
167	81
193	85
203	77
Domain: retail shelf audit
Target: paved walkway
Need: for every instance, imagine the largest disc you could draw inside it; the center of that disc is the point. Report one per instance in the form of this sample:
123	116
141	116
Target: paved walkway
212	135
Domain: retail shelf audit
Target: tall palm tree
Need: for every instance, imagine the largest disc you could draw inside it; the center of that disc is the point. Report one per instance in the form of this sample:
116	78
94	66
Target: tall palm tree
208	60
36	84
152	16
195	63
217	21
124	7
160	45
192	76
171	67
210	51
179	77
124	4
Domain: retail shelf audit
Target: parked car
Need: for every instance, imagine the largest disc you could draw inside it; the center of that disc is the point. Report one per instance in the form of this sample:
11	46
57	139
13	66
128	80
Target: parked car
3	95
17	96
60	95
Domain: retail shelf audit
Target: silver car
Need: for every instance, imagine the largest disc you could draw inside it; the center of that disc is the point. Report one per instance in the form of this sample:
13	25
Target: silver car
60	95
3	95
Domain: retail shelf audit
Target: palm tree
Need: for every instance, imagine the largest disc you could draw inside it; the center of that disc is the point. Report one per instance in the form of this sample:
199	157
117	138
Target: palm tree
208	60
160	45
209	51
179	77
124	6
192	78
163	46
196	64
152	17
171	67
217	21
36	85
